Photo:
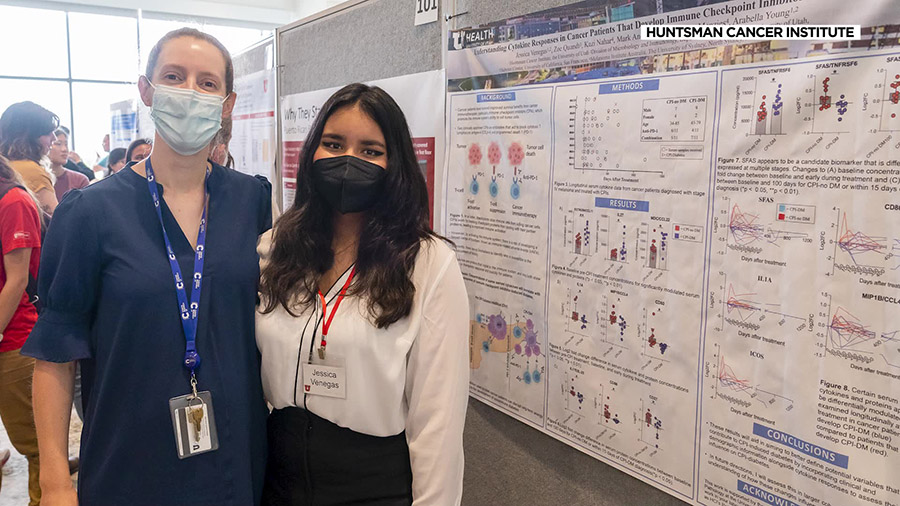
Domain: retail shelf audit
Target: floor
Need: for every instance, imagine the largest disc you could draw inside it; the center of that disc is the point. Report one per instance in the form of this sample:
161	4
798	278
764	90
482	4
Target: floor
510	464
15	473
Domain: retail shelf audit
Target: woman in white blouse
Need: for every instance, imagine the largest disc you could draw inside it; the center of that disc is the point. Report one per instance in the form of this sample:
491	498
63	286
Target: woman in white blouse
363	323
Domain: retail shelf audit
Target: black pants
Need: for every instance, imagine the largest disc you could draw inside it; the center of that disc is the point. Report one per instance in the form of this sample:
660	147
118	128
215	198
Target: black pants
313	462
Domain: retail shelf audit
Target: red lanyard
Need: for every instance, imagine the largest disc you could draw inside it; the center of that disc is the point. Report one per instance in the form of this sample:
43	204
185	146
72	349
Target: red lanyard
326	324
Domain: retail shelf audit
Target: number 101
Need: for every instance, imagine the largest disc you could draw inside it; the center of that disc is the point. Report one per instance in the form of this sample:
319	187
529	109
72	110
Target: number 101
426	5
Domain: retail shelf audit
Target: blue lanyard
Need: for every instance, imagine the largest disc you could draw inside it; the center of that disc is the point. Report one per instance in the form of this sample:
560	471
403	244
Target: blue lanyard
189	310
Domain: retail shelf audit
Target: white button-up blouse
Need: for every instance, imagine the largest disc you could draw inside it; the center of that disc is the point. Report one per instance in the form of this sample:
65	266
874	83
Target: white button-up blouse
412	376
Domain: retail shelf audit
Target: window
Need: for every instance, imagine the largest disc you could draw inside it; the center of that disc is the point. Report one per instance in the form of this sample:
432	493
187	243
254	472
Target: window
39	37
103	47
235	39
51	95
91	103
106	60
153	29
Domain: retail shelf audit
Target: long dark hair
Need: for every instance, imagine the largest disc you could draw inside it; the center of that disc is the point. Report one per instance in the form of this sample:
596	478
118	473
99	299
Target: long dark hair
21	126
134	145
394	228
116	155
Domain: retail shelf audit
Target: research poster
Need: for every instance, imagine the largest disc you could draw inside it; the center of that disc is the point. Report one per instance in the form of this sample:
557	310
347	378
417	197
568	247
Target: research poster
420	97
129	120
683	257
253	133
123	123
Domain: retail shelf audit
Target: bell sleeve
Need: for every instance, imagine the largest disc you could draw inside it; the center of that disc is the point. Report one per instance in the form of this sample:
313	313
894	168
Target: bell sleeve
68	284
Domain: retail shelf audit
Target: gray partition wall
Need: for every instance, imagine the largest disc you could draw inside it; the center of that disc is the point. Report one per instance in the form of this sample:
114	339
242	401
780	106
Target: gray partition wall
355	41
507	462
255	58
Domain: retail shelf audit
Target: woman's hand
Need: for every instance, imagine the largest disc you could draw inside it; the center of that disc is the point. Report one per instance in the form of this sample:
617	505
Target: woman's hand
59	496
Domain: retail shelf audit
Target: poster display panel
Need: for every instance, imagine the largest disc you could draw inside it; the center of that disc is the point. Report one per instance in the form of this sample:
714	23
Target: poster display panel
683	257
420	97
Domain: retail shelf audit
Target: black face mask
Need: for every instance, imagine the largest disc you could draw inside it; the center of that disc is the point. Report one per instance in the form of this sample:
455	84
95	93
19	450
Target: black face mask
349	184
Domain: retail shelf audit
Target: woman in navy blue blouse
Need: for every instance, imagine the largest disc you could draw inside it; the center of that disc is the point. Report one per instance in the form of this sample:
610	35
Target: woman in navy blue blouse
149	279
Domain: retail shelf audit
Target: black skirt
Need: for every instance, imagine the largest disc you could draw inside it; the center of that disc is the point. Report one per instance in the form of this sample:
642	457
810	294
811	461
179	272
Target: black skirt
313	462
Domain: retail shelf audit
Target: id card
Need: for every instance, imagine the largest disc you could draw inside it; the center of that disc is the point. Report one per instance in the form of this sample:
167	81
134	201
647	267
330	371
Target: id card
328	378
194	424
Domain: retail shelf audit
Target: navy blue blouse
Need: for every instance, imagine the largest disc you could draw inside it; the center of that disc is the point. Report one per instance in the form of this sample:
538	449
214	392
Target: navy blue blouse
110	302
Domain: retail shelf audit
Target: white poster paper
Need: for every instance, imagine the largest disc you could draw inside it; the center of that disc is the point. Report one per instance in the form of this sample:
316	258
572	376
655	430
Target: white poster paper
420	97
683	258
253	139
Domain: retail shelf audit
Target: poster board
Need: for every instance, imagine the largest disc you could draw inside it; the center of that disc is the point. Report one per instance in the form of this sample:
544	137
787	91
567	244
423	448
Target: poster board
685	251
420	97
316	54
253	140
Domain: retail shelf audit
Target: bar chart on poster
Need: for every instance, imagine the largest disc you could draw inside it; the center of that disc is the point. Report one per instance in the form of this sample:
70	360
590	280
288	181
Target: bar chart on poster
683	258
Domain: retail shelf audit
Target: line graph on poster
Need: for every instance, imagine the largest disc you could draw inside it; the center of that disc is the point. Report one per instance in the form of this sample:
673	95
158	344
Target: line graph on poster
861	251
730	384
859	333
748	233
752	229
748	310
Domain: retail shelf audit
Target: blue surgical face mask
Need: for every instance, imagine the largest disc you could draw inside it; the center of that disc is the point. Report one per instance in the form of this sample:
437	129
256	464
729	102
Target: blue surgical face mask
186	119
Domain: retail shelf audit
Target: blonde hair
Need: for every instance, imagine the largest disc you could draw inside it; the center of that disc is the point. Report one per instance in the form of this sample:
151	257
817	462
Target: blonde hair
8	174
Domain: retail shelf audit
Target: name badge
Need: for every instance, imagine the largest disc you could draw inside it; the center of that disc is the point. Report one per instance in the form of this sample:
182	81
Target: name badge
194	424
325	380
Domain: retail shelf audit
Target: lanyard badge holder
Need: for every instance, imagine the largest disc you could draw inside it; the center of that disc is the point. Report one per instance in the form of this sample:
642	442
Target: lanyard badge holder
327	377
193	420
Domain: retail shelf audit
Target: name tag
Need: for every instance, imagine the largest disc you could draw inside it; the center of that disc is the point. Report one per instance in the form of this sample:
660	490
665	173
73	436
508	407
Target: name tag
194	423
325	380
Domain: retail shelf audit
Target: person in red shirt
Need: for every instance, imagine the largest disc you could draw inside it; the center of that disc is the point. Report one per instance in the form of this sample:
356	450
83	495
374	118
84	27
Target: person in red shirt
20	240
